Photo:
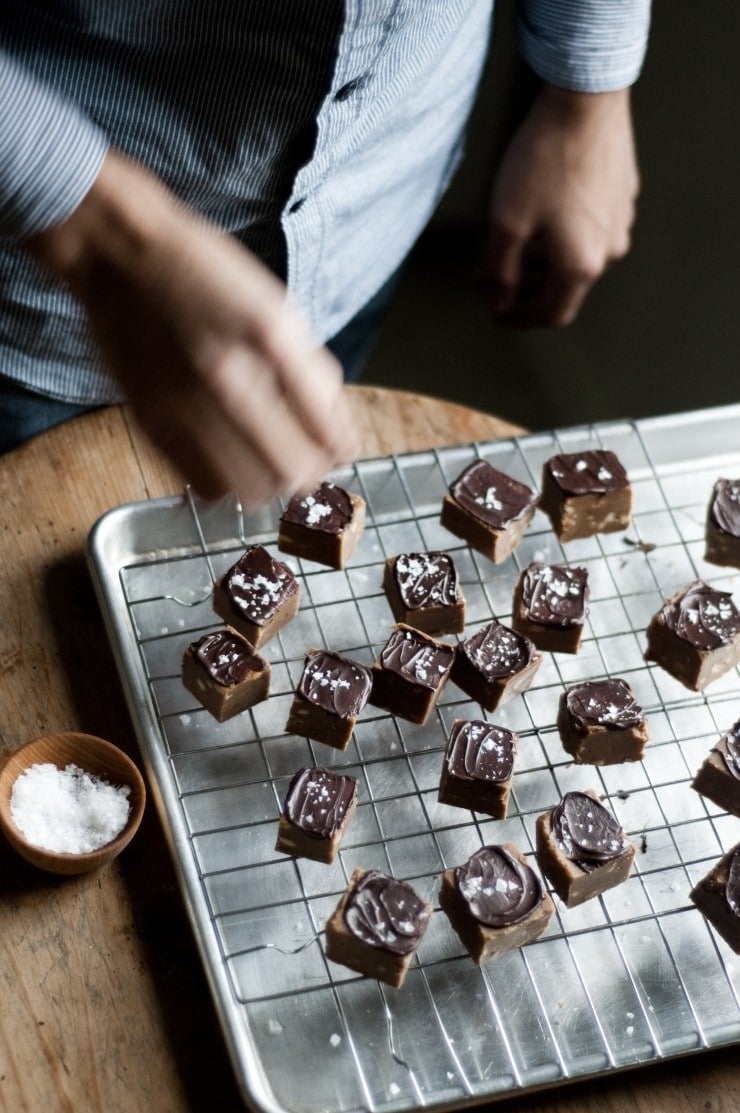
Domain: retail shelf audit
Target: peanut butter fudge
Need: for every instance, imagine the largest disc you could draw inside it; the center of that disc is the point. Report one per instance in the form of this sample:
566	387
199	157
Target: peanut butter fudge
722	533
584	493
719	776
601	723
581	848
410	673
495	902
225	674
424	591
717	896
258	595
550	606
331	694
478	766
488	509
324	526
317	811
377	927
494	664
695	636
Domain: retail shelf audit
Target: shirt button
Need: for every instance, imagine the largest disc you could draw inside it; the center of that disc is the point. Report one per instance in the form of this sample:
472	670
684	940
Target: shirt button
297	205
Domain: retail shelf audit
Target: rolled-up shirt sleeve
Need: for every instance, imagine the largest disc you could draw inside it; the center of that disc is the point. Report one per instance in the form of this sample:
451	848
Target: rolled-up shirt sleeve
592	46
50	154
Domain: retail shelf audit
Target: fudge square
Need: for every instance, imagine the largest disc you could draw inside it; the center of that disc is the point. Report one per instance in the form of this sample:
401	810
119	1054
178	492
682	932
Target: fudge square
495	902
719	776
477	767
424	591
317	811
323	526
410	673
331	694
258	595
584	493
225	674
722	532
695	636
717	896
601	723
488	509
581	848
494	664
550	606
377	927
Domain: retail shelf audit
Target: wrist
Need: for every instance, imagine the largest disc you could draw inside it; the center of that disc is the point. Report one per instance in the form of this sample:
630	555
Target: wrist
575	106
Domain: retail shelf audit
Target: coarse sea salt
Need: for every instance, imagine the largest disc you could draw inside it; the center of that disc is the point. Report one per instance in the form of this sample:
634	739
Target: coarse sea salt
68	810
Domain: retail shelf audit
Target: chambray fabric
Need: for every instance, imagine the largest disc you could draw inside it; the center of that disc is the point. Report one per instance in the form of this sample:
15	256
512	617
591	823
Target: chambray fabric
321	133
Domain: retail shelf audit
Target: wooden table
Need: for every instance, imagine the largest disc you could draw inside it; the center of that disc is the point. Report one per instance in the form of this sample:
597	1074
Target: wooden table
103	1002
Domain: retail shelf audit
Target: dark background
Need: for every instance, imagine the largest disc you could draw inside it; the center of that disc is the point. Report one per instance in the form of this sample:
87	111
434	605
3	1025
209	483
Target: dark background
660	333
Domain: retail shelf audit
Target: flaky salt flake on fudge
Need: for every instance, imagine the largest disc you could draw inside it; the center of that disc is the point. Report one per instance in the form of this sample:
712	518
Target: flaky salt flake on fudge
317	811
550	606
258	595
410	673
601	723
488	509
423	590
323	526
722	528
695	636
494	664
225	674
330	695
584	493
478	766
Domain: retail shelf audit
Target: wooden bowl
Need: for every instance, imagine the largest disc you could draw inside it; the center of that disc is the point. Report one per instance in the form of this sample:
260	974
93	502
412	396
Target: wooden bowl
93	755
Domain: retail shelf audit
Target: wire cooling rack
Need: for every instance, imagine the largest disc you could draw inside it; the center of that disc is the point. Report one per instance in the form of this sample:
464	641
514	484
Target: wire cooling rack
629	978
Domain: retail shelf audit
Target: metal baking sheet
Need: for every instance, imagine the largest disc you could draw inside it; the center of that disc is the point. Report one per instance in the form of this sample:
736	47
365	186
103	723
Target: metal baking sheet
629	978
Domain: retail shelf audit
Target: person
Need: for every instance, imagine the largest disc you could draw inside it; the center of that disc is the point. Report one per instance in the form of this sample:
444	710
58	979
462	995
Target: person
200	204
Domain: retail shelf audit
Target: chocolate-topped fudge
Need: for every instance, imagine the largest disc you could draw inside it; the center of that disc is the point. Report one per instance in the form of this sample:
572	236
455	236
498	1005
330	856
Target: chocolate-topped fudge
377	926
584	493
424	591
717	896
722	532
410	673
330	695
477	767
494	664
488	509
258	595
495	902
318	809
719	776
550	606
601	723
225	674
582	849
324	526
695	636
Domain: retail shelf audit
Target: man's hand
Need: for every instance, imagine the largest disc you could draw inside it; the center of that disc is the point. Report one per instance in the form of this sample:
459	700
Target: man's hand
563	205
222	371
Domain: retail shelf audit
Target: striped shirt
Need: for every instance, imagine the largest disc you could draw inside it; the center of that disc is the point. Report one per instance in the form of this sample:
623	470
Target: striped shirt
320	133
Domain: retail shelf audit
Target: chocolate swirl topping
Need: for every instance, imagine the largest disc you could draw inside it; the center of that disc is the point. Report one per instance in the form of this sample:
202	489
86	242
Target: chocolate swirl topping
417	658
227	657
703	616
497	887
426	579
490	495
729	748
725	507
594	472
328	509
732	887
257	584
586	833
608	703
480	751
386	913
317	801
555	595
334	683
498	651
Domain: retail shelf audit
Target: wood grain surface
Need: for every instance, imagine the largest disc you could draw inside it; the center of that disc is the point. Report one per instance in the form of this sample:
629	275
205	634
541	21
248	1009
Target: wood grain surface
103	1002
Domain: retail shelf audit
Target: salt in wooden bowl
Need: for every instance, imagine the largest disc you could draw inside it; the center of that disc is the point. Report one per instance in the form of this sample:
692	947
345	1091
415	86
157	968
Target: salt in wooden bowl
93	755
